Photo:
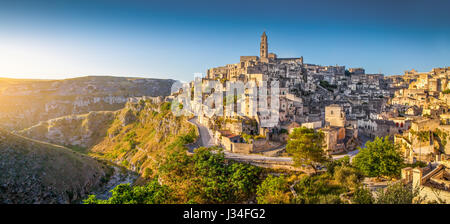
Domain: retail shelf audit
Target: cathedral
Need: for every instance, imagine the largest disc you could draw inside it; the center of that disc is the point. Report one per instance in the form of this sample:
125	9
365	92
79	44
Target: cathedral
251	64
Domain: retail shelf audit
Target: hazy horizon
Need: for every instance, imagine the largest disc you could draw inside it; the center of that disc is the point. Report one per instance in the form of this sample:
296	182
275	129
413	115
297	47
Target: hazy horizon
175	39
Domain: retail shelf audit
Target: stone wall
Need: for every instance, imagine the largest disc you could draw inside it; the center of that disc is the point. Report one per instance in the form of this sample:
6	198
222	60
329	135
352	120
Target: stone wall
244	148
433	195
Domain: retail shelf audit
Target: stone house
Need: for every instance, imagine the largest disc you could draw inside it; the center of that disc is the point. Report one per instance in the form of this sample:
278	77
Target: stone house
433	183
233	143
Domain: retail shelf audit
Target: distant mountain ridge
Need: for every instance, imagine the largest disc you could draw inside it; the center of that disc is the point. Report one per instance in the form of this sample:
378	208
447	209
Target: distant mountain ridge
26	102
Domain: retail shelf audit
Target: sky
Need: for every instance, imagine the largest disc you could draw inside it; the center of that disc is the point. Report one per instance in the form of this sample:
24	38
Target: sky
53	39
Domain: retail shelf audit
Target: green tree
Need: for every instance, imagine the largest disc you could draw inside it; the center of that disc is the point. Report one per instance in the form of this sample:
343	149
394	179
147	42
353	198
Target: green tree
152	193
380	158
306	147
273	190
220	181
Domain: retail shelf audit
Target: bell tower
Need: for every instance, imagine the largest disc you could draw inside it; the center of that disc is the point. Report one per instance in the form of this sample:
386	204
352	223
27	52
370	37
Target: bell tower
264	46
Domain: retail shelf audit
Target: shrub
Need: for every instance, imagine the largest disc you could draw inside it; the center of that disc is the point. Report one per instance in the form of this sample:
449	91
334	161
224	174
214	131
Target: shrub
273	190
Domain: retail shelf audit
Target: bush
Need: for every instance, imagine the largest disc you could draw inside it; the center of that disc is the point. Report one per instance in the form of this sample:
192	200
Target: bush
316	190
348	177
152	193
333	164
165	107
397	193
273	190
148	172
362	196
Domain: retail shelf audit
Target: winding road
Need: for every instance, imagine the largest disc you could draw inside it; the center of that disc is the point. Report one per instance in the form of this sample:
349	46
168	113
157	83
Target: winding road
206	140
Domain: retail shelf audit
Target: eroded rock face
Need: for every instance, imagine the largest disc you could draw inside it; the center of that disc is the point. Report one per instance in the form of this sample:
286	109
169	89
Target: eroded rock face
25	103
73	130
127	117
35	172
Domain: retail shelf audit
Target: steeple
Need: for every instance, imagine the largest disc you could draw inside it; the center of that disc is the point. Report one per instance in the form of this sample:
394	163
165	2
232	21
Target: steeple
264	46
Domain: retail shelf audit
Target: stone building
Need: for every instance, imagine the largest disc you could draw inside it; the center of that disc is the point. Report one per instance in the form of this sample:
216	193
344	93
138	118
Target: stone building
433	182
334	116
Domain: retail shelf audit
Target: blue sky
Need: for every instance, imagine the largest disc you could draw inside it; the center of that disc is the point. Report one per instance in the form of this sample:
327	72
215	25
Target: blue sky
175	39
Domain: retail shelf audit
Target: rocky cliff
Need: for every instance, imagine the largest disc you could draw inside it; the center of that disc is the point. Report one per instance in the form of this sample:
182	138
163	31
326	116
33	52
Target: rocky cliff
26	102
140	133
131	137
37	172
82	131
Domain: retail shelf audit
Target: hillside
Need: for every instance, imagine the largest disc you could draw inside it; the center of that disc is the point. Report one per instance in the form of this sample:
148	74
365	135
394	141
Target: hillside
37	172
145	137
131	137
140	133
26	102
80	131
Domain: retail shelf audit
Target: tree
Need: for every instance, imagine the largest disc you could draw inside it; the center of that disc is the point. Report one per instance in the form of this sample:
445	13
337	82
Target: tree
152	193
398	193
273	190
306	147
348	176
380	158
219	181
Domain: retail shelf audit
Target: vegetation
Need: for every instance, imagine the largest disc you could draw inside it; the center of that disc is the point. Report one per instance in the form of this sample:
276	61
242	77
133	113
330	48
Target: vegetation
304	189
397	193
140	133
205	177
210	178
422	136
170	175
274	190
348	176
28	166
362	195
333	164
318	189
347	73
380	158
152	193
247	138
327	85
441	137
306	147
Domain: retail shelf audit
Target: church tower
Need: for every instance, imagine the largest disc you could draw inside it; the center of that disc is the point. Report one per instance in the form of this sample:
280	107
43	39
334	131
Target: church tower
264	46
